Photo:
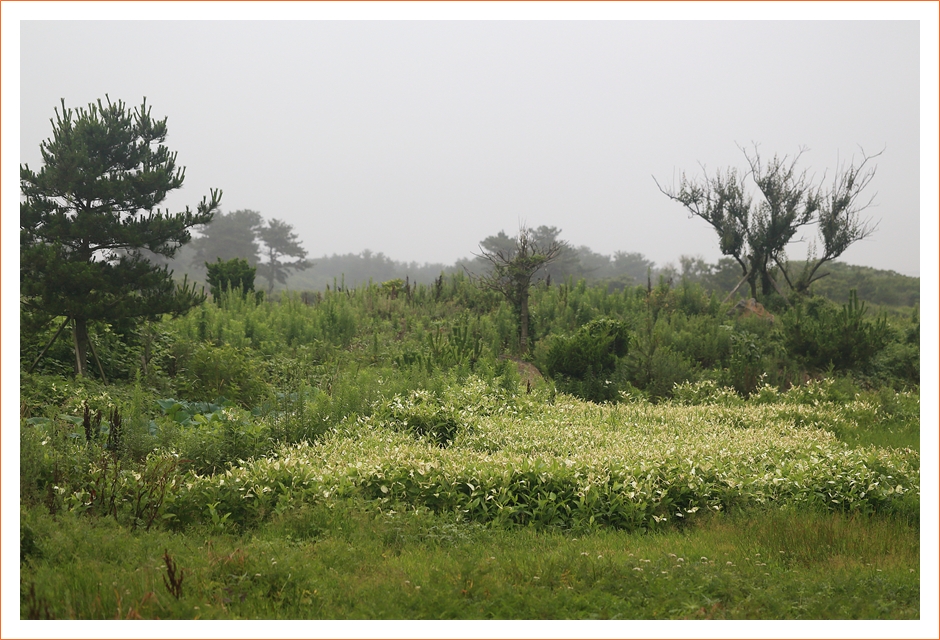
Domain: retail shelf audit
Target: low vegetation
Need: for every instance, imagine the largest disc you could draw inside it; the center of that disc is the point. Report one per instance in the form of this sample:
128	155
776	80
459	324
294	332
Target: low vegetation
388	452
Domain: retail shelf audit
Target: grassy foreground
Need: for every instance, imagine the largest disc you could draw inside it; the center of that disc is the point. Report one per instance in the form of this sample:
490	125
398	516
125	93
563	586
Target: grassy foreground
349	560
476	503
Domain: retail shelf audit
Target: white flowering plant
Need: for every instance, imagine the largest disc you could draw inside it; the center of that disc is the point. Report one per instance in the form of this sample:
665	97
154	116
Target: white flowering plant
522	460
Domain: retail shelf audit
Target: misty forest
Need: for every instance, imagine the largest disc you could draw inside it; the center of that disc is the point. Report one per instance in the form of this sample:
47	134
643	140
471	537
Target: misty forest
216	425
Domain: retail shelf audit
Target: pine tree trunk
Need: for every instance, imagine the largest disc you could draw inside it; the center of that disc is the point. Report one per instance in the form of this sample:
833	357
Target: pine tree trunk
271	273
80	344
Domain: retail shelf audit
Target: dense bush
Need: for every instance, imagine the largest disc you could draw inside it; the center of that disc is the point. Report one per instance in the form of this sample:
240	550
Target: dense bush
211	371
584	362
235	275
822	336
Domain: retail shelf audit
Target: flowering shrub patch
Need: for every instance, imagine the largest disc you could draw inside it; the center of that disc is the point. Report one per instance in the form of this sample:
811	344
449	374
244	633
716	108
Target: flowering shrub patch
525	460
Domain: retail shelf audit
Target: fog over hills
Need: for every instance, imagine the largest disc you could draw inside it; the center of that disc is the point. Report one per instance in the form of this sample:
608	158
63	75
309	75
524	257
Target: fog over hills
418	138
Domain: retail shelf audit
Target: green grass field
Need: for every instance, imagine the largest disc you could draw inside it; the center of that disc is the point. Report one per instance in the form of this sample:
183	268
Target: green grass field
349	561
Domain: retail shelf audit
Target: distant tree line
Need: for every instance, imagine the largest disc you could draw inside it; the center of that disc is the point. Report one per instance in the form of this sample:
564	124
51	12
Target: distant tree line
619	270
754	233
351	269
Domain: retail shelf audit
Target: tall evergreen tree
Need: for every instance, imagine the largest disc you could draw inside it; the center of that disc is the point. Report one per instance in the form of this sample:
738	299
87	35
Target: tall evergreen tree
89	213
229	236
280	240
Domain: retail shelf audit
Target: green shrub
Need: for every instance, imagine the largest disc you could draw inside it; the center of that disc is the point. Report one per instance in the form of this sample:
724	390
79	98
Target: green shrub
701	338
425	415
234	275
459	346
584	363
897	365
745	366
669	368
211	371
37	461
823	336
214	441
335	320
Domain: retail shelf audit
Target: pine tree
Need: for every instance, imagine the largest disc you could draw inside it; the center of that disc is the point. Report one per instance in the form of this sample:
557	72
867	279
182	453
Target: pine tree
89	214
280	240
229	235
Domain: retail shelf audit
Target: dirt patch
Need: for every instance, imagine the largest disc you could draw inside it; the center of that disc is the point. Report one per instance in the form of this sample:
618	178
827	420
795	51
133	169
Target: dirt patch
751	307
529	374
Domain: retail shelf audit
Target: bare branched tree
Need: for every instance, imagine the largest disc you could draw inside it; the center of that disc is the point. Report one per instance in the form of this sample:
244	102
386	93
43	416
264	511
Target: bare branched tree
513	271
756	235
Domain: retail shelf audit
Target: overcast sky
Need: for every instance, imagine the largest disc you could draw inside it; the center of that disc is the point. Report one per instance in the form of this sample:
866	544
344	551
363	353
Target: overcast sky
420	138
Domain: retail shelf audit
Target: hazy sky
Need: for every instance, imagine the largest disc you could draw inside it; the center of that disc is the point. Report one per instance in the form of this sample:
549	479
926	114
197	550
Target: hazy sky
420	138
